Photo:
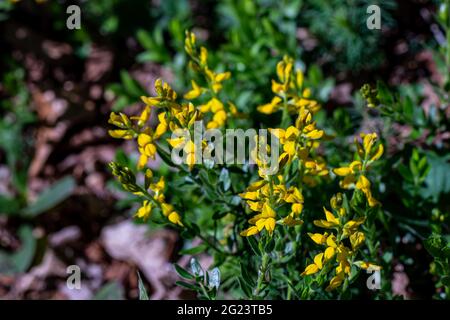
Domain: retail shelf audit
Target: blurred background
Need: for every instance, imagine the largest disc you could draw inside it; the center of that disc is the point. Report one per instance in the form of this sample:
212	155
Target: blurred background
59	204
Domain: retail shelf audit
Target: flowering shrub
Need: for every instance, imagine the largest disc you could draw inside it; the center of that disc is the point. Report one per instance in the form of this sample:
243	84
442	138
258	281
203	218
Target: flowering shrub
268	227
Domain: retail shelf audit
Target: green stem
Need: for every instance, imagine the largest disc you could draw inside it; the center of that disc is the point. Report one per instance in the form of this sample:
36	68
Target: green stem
205	293
262	274
210	244
289	293
285	119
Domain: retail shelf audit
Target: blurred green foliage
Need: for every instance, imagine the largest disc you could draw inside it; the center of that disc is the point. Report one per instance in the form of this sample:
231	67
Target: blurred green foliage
248	38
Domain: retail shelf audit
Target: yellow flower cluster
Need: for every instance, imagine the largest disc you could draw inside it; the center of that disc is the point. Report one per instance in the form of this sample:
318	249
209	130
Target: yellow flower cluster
158	200
266	196
174	116
290	91
336	253
355	173
153	193
298	142
212	84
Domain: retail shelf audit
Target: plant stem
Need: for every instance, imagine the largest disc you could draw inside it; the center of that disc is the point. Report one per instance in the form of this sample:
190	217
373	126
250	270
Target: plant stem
210	244
285	117
262	273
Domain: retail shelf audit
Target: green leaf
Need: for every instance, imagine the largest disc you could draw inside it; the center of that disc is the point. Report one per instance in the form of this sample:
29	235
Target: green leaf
438	178
247	277
244	286
54	195
20	260
435	245
183	272
9	205
145	39
254	245
446	281
110	291
24	257
131	86
195	250
142	292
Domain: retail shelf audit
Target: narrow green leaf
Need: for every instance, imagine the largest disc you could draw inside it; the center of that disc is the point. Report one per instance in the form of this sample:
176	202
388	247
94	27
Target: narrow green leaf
187	285
183	272
142	292
54	195
194	250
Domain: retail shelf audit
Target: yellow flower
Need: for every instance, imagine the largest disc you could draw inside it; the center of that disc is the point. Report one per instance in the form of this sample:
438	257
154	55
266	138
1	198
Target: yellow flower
367	265
357	239
195	92
354	173
147	149
290	221
336	281
270	107
145	210
162	126
351	226
169	212
318	238
330	222
203	56
189	42
166	96
314	267
289	90
123	123
264	220
366	150
363	184
121	134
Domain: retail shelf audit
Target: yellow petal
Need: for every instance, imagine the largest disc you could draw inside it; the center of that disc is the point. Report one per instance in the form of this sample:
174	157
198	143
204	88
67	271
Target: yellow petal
331	241
318	238
144	139
297	208
363	183
166	208
292	133
150	150
270	225
324	224
378	154
329	253
142	161
343	171
250	232
268	212
176	142
335	282
299	78
256	185
356	239
120	134
222	76
330	217
315	134
195	92
175	218
310	269
203	55
318	260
